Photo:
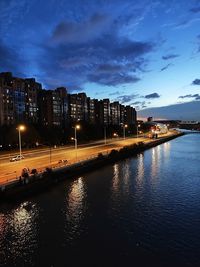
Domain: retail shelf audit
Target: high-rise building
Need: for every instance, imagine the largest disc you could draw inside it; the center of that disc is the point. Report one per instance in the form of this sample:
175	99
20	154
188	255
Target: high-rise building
93	110
104	112
115	113
78	107
130	115
18	99
24	100
32	89
122	114
53	107
12	99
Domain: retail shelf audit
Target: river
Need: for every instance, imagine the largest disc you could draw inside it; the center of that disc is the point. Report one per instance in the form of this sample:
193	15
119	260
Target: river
142	211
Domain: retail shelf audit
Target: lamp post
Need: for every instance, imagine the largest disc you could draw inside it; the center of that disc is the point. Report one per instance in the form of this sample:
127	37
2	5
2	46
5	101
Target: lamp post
77	127
138	126
20	128
124	130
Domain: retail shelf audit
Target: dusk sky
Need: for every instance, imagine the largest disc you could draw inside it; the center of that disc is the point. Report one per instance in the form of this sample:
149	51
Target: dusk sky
144	53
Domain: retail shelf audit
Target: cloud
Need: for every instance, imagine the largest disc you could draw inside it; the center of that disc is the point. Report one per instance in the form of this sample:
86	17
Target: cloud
80	32
81	60
195	9
196	82
126	98
166	67
183	24
186	23
139	104
9	57
195	96
152	96
183	111
170	56
112	80
115	93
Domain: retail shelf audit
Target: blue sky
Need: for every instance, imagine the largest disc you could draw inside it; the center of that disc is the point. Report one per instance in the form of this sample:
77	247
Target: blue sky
144	53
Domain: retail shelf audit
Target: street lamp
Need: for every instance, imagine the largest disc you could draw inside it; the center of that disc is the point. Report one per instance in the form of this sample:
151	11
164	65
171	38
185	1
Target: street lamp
20	128
138	126
124	129
77	127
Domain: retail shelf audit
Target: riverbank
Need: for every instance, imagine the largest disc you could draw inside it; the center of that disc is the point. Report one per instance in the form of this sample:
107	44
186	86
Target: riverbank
34	183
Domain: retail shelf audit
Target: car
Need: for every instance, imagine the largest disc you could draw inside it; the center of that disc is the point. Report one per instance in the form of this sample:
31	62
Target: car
16	158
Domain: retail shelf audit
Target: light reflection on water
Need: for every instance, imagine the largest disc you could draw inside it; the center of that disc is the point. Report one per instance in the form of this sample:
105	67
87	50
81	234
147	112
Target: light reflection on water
18	232
75	207
142	209
140	170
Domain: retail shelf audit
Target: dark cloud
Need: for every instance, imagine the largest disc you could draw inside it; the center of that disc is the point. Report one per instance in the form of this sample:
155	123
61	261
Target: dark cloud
8	59
195	9
166	67
170	56
126	98
139	104
113	79
196	82
195	96
80	32
104	58
152	96
7	56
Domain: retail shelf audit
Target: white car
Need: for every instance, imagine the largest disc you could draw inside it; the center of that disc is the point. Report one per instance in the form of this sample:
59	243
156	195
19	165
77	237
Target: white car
16	158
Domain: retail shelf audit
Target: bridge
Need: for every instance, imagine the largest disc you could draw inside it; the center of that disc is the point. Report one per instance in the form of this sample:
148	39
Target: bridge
188	131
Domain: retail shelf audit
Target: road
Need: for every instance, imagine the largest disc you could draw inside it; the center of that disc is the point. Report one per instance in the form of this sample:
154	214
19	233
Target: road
40	159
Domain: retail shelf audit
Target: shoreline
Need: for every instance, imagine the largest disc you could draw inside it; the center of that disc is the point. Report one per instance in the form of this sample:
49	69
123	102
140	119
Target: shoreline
40	182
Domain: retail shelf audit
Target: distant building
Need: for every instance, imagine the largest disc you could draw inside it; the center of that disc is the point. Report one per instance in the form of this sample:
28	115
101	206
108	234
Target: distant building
104	112
115	113
130	115
93	110
53	107
78	107
18	99
32	89
24	100
122	114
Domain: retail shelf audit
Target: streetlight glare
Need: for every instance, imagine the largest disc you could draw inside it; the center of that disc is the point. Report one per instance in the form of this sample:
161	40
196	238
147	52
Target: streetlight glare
78	126
21	127
126	126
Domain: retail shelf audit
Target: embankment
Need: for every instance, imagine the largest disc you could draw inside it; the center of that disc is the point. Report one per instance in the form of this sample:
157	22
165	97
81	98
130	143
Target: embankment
39	182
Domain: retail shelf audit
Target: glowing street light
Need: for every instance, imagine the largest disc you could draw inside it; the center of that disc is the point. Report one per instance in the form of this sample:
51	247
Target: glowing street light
20	129
124	129
138	126
77	127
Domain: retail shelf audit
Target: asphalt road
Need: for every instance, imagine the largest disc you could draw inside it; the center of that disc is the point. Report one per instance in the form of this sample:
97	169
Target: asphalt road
40	159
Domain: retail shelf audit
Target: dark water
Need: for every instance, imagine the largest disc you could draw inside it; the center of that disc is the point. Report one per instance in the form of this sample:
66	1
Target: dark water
144	211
